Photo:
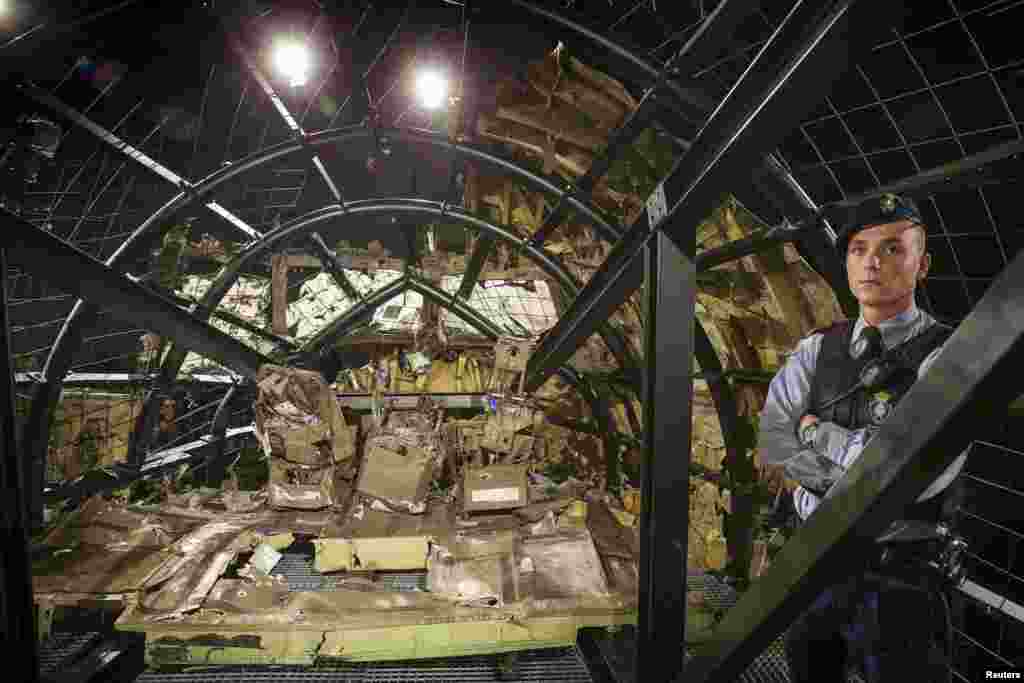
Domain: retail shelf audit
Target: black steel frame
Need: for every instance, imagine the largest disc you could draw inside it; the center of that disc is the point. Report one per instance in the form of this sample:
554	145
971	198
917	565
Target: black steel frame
16	609
46	394
890	470
75	271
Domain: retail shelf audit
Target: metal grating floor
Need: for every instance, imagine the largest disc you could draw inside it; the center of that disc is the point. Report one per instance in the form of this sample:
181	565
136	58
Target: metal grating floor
557	665
770	665
297	569
61	649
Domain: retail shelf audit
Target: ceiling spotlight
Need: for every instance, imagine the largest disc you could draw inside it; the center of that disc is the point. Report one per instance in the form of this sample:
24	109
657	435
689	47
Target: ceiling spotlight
292	61
432	89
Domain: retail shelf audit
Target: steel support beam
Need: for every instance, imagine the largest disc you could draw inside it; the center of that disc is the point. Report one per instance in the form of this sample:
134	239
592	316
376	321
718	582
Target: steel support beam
332	267
156	464
216	463
46	99
282	110
351	135
232	319
1000	163
75	271
480	323
362	402
358	315
670	299
147	422
481	252
69	338
19	623
753	244
88	379
782	83
961	395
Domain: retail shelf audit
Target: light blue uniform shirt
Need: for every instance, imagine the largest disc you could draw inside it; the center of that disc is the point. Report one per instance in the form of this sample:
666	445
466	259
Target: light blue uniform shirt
836	448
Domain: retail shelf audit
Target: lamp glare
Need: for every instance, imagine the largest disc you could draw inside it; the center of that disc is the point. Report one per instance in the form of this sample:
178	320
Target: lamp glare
292	61
432	89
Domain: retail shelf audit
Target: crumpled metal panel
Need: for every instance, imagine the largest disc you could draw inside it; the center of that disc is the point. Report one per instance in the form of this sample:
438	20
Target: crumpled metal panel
623	576
201	557
500	430
512	353
563	565
97	569
496	487
400	478
476	568
244	501
235	595
363	521
106	548
610	537
298	421
101	523
485	581
371	554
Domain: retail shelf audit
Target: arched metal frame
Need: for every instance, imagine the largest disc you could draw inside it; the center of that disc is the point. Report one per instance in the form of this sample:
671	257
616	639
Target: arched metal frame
302	226
47	393
723	19
47	396
866	507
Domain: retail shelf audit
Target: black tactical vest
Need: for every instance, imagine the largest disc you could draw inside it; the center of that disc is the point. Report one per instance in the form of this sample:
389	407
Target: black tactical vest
837	372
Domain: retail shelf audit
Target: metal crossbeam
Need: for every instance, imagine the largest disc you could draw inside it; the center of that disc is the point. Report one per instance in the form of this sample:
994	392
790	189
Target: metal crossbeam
361	402
130	378
330	264
355	316
782	83
960	395
282	110
984	168
217	462
156	464
43	97
67	267
480	323
481	251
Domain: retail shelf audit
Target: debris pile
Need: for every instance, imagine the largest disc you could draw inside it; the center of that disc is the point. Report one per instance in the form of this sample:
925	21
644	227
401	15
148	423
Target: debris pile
410	519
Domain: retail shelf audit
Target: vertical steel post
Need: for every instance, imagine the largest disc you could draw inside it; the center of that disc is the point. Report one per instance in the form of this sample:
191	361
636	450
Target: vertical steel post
670	296
19	624
216	461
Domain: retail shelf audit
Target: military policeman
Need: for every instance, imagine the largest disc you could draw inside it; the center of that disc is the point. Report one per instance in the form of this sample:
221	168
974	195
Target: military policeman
824	405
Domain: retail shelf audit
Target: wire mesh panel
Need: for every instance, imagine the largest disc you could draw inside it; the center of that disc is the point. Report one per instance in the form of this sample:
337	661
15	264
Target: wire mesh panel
988	611
937	90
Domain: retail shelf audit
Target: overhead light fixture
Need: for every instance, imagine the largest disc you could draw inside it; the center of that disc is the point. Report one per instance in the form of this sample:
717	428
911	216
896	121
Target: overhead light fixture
292	61
432	89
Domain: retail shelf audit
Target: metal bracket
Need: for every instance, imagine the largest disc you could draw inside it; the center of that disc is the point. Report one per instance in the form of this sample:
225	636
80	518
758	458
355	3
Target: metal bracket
657	205
44	619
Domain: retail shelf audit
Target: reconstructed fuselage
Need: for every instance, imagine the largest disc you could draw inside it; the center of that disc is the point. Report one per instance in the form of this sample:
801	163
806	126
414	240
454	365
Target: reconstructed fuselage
420	537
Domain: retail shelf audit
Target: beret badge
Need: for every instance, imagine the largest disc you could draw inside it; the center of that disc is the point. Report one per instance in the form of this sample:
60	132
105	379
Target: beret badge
887	203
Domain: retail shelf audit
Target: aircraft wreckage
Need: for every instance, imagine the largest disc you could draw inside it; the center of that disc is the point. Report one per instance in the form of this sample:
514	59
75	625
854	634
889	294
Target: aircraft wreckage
387	567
